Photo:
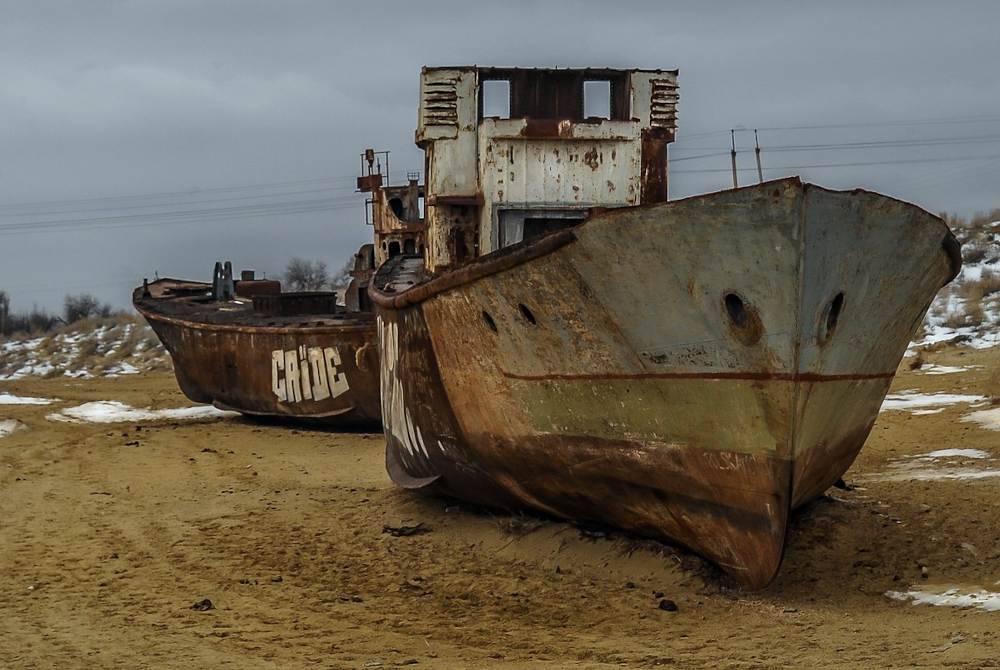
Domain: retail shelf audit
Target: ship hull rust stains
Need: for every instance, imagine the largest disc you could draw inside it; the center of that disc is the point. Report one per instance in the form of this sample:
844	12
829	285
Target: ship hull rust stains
319	369
690	371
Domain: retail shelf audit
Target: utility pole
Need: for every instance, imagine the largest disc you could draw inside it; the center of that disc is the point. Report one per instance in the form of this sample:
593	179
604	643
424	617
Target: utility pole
732	157
760	171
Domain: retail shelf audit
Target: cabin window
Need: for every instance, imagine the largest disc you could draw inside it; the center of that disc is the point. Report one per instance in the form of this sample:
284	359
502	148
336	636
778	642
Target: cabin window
597	99
496	98
396	205
518	225
393	249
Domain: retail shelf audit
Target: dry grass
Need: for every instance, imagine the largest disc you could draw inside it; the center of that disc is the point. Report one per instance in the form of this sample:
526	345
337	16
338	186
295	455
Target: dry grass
973	254
518	524
989	282
992	388
955	319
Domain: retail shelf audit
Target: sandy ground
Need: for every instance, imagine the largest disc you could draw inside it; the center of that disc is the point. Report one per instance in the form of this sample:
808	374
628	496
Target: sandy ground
110	533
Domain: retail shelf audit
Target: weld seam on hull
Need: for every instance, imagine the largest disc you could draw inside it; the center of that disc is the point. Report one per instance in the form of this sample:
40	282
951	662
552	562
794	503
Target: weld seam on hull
749	376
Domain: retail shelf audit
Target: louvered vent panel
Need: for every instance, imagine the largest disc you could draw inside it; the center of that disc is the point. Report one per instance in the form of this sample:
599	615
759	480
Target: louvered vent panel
663	103
440	103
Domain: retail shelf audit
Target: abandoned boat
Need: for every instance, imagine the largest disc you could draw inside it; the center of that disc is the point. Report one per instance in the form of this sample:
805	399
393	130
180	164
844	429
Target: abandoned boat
245	345
571	342
256	350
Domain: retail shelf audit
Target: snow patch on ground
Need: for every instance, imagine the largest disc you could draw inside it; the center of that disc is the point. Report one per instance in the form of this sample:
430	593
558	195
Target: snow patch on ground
10	399
911	400
932	369
921	474
981	599
987	418
940	465
112	411
954	453
10	426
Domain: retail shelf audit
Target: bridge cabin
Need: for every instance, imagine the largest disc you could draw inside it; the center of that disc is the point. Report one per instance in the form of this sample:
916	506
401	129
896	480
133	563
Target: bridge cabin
511	154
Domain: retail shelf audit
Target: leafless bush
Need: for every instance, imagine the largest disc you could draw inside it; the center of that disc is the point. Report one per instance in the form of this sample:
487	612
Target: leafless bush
973	254
31	322
303	275
958	318
83	306
989	282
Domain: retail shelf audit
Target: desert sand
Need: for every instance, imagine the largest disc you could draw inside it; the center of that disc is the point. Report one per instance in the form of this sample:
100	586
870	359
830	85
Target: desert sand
110	533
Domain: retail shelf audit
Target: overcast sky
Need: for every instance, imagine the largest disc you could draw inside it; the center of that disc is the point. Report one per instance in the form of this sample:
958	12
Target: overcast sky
170	134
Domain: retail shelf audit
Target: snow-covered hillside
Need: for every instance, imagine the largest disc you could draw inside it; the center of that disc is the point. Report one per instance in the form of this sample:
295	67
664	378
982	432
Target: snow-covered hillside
967	311
103	347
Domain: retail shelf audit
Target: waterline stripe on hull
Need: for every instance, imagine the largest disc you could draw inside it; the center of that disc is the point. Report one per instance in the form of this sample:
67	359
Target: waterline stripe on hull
751	376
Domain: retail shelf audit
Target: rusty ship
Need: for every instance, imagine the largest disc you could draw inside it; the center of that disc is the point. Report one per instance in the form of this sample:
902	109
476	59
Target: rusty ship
246	345
574	343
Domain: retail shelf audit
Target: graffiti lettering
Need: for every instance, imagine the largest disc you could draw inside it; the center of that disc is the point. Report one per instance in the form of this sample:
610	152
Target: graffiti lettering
307	373
396	417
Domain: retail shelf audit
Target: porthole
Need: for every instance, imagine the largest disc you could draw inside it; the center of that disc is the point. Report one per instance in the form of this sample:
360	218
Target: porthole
526	313
830	317
744	321
490	323
736	309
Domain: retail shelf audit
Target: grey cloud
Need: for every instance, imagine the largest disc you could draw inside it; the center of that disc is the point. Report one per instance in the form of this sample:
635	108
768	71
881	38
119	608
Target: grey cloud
135	97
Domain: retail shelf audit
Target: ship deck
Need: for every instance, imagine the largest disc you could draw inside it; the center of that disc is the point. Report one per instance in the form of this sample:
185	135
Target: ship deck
191	302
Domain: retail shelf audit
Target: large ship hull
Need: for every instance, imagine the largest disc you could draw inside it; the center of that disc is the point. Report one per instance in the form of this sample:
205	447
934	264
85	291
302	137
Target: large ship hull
317	369
691	371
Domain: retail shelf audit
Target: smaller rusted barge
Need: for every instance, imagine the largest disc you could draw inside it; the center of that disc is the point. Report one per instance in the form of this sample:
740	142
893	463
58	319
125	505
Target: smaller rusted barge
244	345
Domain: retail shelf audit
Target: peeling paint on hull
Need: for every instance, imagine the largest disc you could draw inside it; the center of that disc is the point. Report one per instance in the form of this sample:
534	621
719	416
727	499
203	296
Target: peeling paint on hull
690	371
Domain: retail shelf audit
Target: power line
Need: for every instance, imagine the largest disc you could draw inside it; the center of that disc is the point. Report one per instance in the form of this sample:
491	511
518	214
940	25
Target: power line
169	214
854	164
165	194
956	120
181	202
867	144
207	219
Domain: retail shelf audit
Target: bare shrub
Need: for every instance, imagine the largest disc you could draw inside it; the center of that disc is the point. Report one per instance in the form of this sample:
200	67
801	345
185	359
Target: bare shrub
303	275
974	314
958	318
989	282
973	254
87	351
4	312
77	307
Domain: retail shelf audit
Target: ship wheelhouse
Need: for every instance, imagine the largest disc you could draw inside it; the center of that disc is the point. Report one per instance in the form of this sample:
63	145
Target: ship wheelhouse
512	154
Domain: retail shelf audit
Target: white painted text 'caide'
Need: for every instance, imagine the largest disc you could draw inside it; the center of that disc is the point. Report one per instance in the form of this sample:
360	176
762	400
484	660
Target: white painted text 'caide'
307	373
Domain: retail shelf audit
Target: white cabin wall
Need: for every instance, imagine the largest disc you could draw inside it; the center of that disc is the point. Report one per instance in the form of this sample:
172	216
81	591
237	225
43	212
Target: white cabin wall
589	165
